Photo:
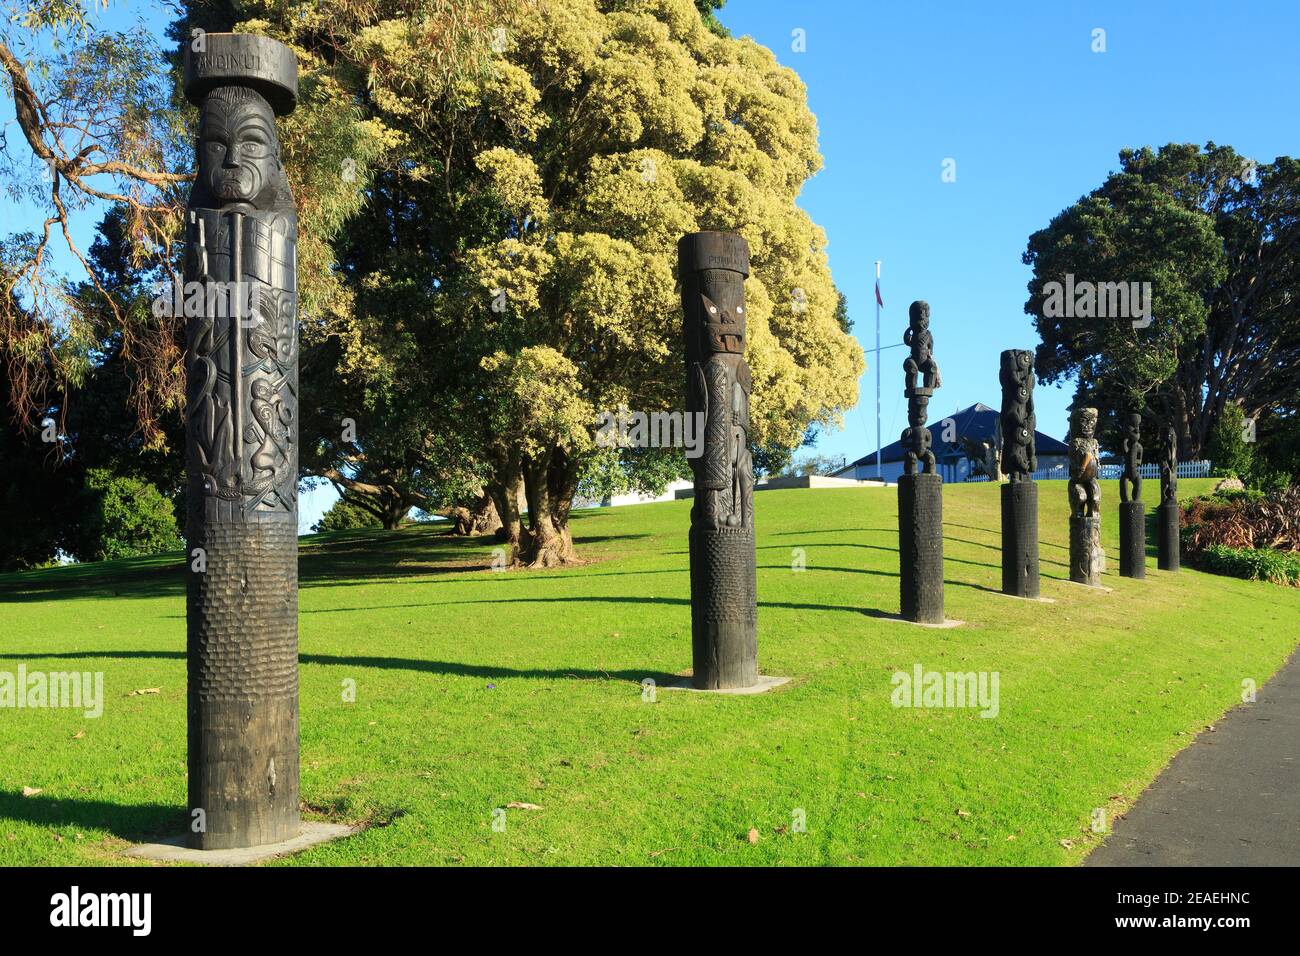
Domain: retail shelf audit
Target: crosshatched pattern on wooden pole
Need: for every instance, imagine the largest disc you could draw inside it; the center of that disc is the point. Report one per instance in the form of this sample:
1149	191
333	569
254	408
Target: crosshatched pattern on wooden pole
712	267
241	365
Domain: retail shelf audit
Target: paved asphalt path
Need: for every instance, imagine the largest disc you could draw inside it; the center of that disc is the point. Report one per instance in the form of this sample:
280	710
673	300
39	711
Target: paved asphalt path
1232	798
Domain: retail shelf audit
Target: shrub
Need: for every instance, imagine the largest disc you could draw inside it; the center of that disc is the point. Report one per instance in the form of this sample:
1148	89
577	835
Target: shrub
1257	564
1237	495
1249	520
124	517
344	516
1227	447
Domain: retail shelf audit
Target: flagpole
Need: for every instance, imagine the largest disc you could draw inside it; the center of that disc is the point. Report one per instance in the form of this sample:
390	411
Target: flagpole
877	368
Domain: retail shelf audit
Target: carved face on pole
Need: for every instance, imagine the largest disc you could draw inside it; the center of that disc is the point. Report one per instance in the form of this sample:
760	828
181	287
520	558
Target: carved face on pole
919	314
1084	422
239	151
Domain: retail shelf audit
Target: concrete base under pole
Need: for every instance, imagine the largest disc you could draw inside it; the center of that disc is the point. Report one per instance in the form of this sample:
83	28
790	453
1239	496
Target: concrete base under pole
175	850
762	685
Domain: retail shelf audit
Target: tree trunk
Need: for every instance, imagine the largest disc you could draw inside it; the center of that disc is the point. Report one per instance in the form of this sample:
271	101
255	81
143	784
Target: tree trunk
394	513
562	481
481	518
549	490
504	491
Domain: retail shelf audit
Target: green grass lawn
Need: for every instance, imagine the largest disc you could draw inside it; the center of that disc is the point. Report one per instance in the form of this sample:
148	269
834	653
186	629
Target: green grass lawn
476	688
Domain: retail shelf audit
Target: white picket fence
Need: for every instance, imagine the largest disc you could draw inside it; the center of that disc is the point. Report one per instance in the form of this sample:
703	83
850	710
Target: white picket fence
1186	469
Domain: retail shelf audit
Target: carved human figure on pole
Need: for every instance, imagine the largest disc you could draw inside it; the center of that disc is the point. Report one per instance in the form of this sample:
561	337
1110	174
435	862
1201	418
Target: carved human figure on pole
1084	487
918	337
1132	511
1019	497
920	491
1087	559
1168	515
712	267
1132	450
241	450
1019	424
916	438
984	454
1169	466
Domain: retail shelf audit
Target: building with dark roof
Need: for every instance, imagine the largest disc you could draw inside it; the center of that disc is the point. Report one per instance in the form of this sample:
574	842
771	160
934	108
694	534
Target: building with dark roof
957	440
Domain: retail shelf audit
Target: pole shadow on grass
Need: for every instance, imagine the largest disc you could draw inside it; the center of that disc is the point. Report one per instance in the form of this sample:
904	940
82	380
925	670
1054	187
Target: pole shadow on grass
133	822
577	599
971	527
443	668
345	556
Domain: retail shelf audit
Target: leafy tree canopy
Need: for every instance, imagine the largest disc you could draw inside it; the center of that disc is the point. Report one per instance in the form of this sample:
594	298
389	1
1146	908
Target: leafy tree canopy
1217	236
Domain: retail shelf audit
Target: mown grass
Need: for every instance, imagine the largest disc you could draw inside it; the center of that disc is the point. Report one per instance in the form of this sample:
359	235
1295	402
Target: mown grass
476	688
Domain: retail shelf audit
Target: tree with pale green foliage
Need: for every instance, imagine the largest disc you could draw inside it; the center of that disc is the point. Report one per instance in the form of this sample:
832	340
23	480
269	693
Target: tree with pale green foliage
490	195
529	243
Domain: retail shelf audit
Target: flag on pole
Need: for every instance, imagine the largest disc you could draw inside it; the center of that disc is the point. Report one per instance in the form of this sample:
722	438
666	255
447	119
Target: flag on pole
879	301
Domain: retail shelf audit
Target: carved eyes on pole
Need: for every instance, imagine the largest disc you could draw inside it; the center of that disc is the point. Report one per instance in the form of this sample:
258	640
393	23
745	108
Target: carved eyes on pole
248	149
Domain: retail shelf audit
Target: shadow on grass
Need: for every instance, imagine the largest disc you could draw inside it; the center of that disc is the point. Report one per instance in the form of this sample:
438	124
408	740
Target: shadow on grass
322	560
157	576
443	668
134	822
594	599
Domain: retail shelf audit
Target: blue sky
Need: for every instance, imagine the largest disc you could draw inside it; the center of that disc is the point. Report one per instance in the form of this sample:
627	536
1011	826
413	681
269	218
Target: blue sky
1033	120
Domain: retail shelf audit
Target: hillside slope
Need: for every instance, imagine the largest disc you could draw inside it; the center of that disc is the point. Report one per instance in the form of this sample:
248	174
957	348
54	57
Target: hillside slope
475	688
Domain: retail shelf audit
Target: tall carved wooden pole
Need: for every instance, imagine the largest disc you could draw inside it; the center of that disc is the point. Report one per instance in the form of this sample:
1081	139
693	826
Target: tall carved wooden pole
241	367
1132	511
1167	514
1087	559
1019	462
712	267
920	494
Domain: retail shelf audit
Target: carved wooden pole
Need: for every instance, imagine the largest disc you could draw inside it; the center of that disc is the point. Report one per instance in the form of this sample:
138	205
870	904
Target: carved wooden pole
1087	559
1132	511
1167	514
241	367
712	267
920	494
1019	462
